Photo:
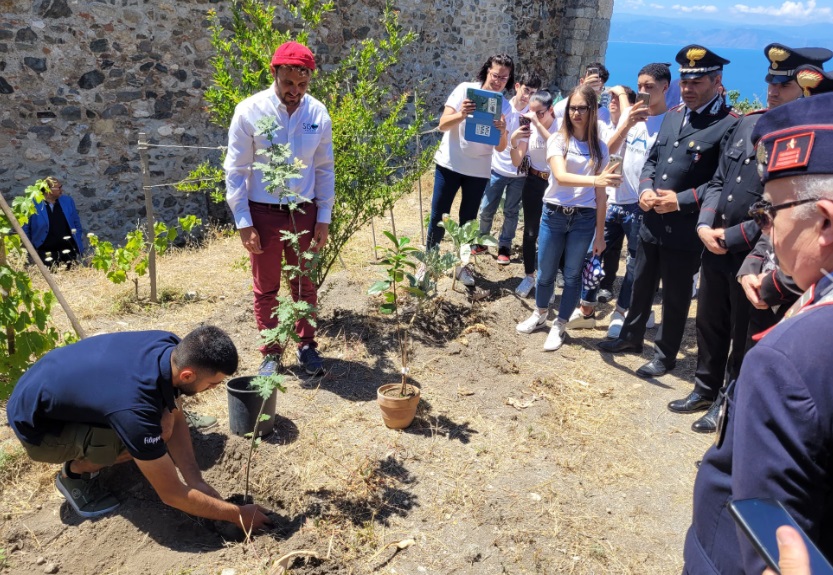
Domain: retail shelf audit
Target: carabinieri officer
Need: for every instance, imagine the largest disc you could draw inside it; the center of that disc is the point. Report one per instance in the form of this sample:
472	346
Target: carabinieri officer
674	179
729	234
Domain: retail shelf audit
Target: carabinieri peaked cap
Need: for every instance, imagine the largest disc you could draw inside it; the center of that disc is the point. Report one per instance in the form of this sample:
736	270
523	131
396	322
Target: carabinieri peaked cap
813	80
696	61
796	139
784	61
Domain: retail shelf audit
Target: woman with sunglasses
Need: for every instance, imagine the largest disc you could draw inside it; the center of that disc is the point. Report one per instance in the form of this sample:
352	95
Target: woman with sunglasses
573	210
464	165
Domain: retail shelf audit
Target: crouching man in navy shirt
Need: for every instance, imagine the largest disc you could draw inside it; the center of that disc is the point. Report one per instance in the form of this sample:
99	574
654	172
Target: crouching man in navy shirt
112	398
776	438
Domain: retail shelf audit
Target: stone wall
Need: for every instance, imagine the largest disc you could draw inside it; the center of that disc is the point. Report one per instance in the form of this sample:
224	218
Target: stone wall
79	80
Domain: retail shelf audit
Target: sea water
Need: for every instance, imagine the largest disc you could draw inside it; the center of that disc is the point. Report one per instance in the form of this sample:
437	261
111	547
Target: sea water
745	73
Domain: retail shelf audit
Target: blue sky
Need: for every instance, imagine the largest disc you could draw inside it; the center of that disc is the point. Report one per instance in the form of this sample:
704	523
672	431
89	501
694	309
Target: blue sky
762	12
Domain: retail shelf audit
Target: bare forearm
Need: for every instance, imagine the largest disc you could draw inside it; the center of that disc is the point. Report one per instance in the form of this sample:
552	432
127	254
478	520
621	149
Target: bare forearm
182	452
449	120
196	503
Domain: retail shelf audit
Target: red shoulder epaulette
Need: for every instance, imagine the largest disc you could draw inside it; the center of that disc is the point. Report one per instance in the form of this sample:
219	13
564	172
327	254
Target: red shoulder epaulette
761	111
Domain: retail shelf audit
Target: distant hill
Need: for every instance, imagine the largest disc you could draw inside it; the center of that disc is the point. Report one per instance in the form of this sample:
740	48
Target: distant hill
714	34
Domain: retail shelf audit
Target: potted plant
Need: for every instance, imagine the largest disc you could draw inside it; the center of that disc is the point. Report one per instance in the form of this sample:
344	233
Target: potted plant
398	401
464	237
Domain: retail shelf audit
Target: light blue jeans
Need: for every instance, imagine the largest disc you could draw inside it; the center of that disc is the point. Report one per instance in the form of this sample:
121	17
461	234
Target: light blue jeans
567	234
511	207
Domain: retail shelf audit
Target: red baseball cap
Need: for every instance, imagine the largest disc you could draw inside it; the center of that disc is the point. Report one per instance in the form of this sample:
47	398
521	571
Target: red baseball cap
293	54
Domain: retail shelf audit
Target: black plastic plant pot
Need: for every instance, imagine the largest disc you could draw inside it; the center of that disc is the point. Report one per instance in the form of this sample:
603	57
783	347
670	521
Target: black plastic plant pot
244	405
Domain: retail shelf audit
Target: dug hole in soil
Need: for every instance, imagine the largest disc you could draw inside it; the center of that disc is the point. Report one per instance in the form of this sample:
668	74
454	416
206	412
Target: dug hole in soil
518	461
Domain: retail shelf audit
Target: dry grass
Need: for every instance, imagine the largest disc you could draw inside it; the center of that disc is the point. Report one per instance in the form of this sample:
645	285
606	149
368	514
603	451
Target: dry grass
520	461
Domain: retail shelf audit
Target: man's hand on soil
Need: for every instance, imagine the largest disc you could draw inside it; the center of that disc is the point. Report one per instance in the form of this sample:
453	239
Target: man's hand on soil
254	517
204	487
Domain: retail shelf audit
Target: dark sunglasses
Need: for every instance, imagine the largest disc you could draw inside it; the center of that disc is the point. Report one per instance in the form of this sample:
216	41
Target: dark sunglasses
763	212
580	110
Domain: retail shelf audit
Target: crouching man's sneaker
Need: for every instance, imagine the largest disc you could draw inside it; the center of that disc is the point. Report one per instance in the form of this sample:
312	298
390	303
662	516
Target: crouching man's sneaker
200	422
310	360
464	276
83	493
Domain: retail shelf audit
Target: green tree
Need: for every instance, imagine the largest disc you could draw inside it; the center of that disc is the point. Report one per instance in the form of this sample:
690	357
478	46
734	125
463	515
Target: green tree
24	310
373	129
743	106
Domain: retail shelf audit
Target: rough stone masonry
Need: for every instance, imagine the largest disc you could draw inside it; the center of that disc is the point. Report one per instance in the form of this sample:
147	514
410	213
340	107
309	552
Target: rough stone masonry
80	79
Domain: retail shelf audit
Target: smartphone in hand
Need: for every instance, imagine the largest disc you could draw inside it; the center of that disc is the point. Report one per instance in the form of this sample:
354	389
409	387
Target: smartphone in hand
760	518
592	72
617	160
524	121
644	98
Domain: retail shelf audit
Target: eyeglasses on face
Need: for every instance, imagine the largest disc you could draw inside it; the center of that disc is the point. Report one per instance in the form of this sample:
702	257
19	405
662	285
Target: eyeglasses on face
541	113
763	213
496	77
580	110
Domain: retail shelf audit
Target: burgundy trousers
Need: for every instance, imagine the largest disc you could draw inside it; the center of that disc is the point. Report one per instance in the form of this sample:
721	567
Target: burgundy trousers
269	221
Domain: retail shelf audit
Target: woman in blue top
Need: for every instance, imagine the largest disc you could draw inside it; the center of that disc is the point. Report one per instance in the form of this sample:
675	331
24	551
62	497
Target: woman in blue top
574	210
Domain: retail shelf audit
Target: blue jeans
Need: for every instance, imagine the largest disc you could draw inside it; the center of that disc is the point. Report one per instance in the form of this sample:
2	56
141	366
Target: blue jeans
511	207
567	234
621	220
446	184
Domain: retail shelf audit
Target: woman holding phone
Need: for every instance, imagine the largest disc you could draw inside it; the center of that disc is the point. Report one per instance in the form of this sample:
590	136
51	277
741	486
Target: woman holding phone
464	165
573	210
529	142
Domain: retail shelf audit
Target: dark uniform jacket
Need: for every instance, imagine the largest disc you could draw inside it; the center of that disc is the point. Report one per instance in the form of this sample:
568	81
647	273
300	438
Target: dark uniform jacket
734	188
778	444
683	159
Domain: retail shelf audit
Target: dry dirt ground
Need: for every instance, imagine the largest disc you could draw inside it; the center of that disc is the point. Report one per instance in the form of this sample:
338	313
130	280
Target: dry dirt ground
519	461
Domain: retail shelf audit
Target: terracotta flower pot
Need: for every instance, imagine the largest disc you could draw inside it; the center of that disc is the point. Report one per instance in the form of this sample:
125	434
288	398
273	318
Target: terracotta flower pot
397	411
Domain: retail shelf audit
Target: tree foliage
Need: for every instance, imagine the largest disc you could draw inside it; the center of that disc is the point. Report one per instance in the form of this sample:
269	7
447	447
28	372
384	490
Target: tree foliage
374	130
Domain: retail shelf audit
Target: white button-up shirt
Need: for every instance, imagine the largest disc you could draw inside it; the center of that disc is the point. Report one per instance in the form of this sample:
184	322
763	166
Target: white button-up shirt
309	133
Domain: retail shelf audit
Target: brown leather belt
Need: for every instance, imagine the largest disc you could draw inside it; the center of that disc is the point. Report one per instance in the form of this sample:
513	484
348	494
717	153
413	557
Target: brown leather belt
271	207
540	174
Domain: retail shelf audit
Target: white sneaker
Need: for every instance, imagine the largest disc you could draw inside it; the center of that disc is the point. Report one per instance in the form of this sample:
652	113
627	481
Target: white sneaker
652	321
616	323
579	321
555	337
536	321
525	287
464	275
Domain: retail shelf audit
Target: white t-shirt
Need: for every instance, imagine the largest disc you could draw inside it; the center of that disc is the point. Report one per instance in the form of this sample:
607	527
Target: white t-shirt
578	162
537	150
458	154
502	161
638	144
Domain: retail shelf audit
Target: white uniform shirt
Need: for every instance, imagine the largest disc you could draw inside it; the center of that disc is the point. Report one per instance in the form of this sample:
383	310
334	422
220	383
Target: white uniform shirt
458	154
309	133
502	161
578	163
640	139
537	150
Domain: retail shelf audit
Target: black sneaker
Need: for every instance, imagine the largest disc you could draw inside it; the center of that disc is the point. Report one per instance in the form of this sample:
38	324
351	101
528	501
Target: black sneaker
604	295
270	365
310	360
86	497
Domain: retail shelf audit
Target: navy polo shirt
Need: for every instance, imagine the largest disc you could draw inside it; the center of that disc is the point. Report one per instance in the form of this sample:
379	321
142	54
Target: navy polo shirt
119	380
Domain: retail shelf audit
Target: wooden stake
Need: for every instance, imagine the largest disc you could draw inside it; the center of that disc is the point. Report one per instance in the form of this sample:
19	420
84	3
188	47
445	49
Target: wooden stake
9	329
150	233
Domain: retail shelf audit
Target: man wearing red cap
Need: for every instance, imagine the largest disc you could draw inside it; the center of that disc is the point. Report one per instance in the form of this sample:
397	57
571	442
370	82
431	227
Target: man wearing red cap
262	217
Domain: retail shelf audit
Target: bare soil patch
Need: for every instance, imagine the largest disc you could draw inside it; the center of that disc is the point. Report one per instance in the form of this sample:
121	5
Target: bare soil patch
519	461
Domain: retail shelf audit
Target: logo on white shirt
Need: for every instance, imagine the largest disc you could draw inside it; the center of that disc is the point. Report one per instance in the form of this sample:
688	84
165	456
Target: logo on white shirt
309	128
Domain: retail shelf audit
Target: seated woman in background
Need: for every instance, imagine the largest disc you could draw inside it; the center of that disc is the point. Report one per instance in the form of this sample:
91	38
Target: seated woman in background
55	227
573	211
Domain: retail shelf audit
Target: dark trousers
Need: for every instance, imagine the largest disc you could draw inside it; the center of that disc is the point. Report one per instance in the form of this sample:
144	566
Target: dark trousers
722	324
676	269
446	184
533	205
